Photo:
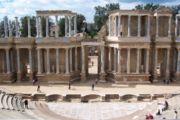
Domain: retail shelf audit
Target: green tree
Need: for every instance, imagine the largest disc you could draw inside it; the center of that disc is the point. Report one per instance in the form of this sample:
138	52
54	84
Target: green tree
149	6
175	10
2	29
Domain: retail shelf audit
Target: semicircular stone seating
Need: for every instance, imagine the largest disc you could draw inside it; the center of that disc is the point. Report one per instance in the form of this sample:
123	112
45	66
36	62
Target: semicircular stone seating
4	101
54	98
9	99
92	98
1	105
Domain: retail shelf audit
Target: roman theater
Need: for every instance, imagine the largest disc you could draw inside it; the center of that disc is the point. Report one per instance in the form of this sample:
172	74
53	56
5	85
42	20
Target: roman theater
133	55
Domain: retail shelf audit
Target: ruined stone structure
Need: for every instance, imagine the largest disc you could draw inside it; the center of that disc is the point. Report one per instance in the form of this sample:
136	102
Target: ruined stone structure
139	46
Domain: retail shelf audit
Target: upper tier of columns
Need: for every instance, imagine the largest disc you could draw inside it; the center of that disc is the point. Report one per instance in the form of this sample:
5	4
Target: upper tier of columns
177	27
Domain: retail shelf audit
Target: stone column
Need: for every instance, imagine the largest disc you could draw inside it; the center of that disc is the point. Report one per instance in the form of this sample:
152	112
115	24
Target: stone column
148	26
155	63
29	27
30	59
139	26
102	59
115	26
70	56
17	27
5	27
37	27
10	29
147	61
128	60
76	60
83	59
167	64
40	27
169	30
7	61
157	26
39	60
176	27
138	61
56	32
47	26
119	60
69	26
67	62
119	25
48	61
129	25
115	60
110	61
109	25
66	25
75	24
178	62
57	60
18	60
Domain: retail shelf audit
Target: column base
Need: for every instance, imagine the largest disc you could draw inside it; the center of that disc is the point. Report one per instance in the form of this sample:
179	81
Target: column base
102	76
177	77
83	77
31	76
19	77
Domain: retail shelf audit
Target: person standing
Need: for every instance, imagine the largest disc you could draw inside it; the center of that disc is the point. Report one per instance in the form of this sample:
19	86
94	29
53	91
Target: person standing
176	115
93	86
38	88
69	85
26	104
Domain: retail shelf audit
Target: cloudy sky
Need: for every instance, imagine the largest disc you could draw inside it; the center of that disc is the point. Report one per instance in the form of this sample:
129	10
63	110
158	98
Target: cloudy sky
13	8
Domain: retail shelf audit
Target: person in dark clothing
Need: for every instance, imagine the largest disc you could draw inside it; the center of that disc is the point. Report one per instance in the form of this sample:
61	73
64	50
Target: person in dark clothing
26	104
93	86
69	85
38	88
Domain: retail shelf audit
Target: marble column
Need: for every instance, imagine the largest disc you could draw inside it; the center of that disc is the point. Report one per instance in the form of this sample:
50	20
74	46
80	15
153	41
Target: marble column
169	29
167	64
18	60
69	18
66	26
176	27
119	60
128	60
157	26
40	27
139	26
155	63
37	27
48	61
47	26
30	59
102	59
57	60
76	59
75	24
109	25
67	62
178	62
17	27
70	57
56	32
138	61
110	61
10	29
39	60
115	60
115	26
147	61
5	27
29	27
119	25
148	25
83	59
129	25
7	61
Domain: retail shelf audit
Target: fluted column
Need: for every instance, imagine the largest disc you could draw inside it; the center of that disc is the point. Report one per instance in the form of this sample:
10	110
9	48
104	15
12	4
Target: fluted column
69	26
48	61
178	62
115	26
109	25
75	24
176	27
18	60
83	59
29	27
115	60
119	25
76	60
47	26
119	60
66	26
139	26
138	61
129	25
169	30
57	60
70	56
56	32
167	64
155	63
8	61
147	61
40	27
148	25
102	59
37	27
30	59
10	29
17	27
5	27
157	26
128	60
39	60
110	61
67	62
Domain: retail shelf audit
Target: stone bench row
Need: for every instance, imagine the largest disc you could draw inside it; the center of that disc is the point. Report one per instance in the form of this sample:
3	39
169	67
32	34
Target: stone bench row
11	102
93	97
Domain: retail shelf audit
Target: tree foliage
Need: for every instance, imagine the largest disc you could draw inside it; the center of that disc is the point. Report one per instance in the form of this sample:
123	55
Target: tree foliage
149	6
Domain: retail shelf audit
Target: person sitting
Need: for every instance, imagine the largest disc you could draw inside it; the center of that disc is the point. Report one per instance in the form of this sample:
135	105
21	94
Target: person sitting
166	106
159	112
